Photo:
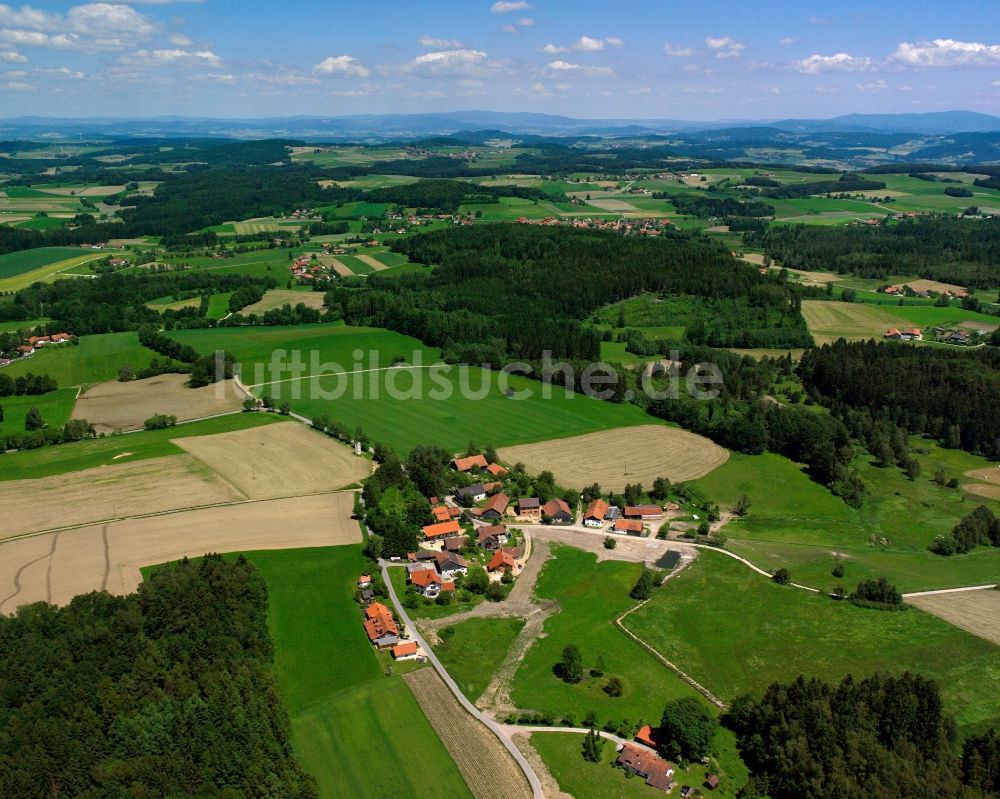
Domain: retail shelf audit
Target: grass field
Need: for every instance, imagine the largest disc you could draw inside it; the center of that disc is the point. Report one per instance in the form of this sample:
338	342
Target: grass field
431	610
27	324
798	524
473	649
430	408
342	707
829	320
735	631
218	305
591	595
276	298
975	611
627	455
55	407
96	359
64	458
48	272
17	263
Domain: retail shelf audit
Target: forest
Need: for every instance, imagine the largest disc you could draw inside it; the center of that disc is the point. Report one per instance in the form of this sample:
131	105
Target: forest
168	692
883	736
949	249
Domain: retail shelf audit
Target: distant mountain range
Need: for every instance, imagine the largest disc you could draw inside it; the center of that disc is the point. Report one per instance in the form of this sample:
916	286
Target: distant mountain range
384	127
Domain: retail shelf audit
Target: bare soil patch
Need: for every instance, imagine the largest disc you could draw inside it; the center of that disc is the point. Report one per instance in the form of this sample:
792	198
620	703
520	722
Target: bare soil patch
988	484
337	265
275	298
626	455
115	406
977	612
932	285
487	767
107	492
58	566
278	460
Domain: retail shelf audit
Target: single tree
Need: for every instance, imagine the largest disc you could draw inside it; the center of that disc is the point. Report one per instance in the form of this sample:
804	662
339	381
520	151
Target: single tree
687	729
570	666
33	420
593	746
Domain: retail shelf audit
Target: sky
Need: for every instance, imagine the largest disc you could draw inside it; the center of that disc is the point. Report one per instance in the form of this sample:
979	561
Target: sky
645	59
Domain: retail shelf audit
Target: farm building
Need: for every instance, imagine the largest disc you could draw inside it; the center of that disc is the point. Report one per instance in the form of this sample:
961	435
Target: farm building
495	507
529	508
473	493
380	626
441	530
628	527
596	511
648	512
454	544
469	463
496	470
449	564
657	772
492	537
908	334
406	650
647	736
441	513
711	782
364	581
504	559
429	583
558	511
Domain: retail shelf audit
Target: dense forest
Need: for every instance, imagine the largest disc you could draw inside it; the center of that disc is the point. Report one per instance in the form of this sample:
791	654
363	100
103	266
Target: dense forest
884	737
169	692
953	396
950	249
507	292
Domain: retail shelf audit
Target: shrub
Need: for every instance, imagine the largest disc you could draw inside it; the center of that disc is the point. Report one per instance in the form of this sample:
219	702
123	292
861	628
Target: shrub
782	576
610	543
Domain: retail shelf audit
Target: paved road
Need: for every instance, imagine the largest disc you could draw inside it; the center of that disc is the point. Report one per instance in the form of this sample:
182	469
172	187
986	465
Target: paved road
529	772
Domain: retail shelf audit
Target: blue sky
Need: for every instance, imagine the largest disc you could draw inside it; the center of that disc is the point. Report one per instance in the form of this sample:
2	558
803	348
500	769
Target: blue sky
640	59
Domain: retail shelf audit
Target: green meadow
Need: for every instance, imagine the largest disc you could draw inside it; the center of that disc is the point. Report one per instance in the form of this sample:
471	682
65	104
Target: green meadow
17	263
55	407
473	649
95	359
736	632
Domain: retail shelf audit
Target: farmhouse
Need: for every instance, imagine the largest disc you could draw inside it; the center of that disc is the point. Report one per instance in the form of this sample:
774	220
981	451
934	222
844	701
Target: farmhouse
407	650
596	511
442	530
59	338
453	544
469	463
492	537
495	507
449	564
628	526
504	559
909	334
529	508
441	513
657	772
429	583
380	626
558	511
364	581
650	512
496	470
647	736
473	493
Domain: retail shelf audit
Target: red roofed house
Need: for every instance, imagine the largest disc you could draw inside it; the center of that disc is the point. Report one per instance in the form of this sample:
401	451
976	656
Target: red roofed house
59	338
657	772
441	513
628	526
442	530
643	512
469	463
647	736
496	469
711	782
596	511
26	349
406	650
495	507
502	559
429	583
380	626
364	581
558	511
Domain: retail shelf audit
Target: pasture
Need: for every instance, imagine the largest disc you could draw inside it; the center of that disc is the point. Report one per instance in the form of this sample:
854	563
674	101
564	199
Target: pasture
276	298
617	457
977	612
590	596
55	407
96	359
115	406
278	460
49	272
985	482
736	632
473	649
829	320
489	769
17	263
55	567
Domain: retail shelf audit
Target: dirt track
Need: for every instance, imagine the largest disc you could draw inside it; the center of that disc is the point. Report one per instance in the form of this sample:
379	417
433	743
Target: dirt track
57	566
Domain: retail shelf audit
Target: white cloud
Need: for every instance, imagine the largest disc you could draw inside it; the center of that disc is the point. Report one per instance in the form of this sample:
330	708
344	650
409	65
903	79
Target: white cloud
787	40
341	65
588	44
614	41
440	44
180	40
553	49
38	39
565	66
460	61
523	22
677	52
91	26
28	17
995	84
724	46
178	56
838	62
505	6
876	86
526	22
12	57
946	53
16	86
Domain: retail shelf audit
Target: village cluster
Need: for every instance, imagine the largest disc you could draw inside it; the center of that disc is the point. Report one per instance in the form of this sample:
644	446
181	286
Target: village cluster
638	227
32	344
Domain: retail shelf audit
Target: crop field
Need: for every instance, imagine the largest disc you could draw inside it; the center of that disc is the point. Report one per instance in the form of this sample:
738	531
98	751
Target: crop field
117	450
591	595
489	769
450	406
626	455
47	273
796	523
332	683
275	298
986	482
372	262
255	226
735	631
116	406
96	359
278	460
17	263
977	612
829	320
55	407
55	567
473	649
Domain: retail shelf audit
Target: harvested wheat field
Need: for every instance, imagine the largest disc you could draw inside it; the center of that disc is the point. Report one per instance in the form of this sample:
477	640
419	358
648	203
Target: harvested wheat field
278	460
374	264
988	482
115	406
487	767
616	457
336	265
610	204
978	612
89	191
275	298
829	320
108	492
55	567
933	285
